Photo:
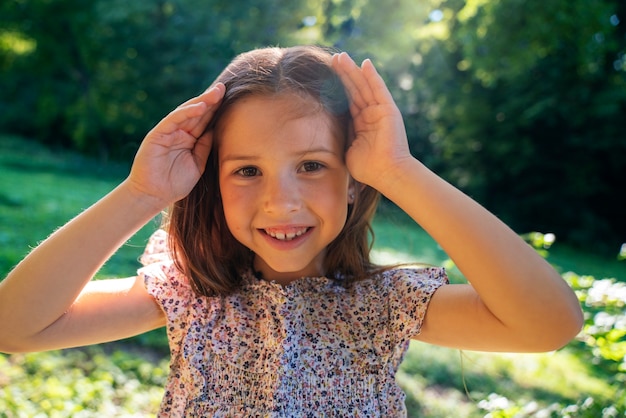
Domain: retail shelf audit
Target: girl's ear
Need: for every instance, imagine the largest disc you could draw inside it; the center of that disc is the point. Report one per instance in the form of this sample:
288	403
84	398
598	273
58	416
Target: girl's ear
351	191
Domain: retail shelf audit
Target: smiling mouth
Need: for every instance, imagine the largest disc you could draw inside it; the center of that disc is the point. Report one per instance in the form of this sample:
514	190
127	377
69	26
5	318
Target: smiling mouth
286	235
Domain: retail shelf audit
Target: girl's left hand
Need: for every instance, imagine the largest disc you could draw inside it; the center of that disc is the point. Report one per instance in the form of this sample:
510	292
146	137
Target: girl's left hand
380	143
516	300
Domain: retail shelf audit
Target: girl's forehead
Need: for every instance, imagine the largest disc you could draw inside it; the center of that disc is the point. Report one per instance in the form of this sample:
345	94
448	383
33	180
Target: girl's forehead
258	115
290	104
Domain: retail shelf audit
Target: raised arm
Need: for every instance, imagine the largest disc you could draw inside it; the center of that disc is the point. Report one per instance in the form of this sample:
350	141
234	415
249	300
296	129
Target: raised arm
515	300
48	301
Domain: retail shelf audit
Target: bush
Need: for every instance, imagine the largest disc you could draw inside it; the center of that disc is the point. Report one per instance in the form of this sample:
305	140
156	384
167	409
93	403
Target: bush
602	343
80	383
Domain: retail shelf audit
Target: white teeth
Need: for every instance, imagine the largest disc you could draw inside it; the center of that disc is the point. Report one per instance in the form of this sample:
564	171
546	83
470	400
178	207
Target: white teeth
286	236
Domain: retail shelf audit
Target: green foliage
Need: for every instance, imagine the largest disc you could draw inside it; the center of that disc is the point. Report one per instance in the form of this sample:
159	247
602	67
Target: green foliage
602	343
80	383
40	190
527	112
520	103
102	73
605	322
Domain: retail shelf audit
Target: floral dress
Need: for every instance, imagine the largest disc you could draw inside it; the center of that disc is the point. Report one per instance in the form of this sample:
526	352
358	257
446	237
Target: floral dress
313	348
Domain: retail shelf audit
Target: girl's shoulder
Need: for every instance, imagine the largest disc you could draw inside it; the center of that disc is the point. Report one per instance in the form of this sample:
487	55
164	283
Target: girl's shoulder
156	249
396	298
410	275
162	279
401	285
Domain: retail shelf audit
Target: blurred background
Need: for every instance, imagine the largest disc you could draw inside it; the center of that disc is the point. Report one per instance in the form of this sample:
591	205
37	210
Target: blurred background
520	103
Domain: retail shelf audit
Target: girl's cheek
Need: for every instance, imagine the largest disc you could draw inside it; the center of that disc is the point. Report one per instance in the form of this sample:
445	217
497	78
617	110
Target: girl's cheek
239	197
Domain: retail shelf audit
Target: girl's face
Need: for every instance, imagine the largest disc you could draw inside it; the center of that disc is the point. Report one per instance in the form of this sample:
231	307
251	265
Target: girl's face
284	184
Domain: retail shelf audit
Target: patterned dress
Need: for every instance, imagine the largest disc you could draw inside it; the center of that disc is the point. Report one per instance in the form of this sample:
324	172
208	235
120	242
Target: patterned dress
313	348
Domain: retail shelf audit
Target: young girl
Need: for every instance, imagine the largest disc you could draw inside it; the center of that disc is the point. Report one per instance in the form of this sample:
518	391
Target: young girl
261	273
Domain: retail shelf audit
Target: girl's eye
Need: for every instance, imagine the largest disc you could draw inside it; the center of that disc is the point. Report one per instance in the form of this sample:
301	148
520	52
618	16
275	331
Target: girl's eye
248	171
311	166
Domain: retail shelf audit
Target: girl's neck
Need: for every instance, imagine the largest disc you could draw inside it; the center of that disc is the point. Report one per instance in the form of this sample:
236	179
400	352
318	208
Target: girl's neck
264	272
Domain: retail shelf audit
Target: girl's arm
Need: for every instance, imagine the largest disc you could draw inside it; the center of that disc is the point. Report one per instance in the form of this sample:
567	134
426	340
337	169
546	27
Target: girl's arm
515	300
48	301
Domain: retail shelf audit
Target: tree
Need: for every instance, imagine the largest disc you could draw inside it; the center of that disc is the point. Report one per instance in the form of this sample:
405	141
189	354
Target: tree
529	108
518	102
102	73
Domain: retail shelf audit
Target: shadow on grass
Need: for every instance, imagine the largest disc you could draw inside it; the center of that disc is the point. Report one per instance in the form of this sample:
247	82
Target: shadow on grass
467	378
76	167
25	156
8	201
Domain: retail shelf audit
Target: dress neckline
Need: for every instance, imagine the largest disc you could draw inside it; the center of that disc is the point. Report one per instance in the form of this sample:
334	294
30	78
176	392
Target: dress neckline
252	278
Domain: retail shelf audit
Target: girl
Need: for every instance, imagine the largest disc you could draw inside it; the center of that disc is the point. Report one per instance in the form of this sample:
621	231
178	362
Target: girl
262	273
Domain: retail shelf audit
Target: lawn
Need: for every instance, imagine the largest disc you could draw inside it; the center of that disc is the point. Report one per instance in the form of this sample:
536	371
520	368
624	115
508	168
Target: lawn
40	190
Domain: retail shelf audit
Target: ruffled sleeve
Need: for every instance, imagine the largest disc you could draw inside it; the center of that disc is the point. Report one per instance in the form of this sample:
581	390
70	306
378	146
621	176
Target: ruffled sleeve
169	287
156	249
410	293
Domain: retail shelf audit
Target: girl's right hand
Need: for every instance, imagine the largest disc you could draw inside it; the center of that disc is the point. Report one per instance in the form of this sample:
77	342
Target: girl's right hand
173	155
47	302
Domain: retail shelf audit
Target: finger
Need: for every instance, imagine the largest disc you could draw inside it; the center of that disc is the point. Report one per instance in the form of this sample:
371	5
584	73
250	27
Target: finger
193	115
351	76
179	119
202	149
376	83
340	62
212	98
346	69
209	93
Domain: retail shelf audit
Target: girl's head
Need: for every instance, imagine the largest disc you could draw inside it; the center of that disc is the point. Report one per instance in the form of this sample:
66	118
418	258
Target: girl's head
297	89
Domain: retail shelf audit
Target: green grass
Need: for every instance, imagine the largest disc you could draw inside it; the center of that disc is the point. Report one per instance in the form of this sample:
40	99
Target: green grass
399	236
40	190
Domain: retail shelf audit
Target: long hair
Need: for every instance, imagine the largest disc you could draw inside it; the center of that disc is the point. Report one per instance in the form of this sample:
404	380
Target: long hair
203	247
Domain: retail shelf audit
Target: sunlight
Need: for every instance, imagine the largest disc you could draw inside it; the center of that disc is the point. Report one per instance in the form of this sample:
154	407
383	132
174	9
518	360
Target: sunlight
16	43
436	15
387	256
470	9
436	30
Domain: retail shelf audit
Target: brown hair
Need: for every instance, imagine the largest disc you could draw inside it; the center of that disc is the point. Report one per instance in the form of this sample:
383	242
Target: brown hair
202	245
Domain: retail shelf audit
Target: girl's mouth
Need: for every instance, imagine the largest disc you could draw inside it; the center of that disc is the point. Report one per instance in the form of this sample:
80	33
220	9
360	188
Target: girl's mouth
286	234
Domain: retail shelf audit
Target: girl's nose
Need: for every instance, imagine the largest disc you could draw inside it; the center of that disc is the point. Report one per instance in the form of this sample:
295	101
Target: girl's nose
281	195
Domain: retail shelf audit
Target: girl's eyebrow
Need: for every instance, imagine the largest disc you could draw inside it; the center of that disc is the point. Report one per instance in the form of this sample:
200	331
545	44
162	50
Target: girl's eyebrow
235	157
318	150
244	157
